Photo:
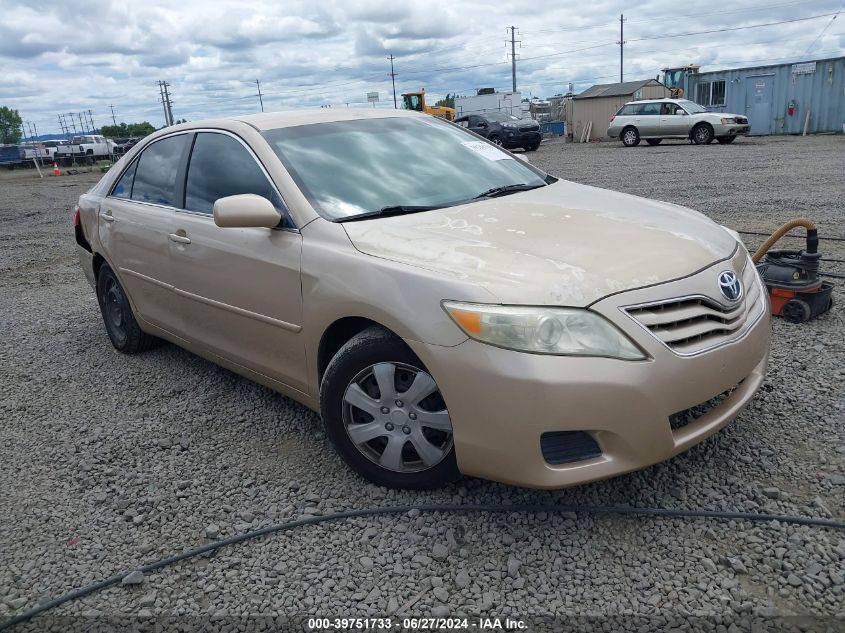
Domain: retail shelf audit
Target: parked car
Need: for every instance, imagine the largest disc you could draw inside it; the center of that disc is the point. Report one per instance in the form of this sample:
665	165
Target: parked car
89	147
504	130
123	145
656	119
466	313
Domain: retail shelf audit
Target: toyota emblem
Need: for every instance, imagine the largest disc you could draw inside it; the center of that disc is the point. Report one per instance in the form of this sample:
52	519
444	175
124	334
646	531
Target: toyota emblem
730	286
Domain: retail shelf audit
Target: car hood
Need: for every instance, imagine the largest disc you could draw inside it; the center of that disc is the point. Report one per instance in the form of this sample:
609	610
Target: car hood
564	244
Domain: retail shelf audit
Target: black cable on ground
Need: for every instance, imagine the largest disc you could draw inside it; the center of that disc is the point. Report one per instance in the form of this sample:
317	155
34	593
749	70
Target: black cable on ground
458	508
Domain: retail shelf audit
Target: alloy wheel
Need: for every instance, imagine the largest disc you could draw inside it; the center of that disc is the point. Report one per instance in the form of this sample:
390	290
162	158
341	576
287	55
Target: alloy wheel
395	416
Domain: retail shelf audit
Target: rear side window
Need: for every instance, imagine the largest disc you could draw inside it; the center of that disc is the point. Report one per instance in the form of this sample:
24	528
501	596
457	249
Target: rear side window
221	166
627	110
650	109
155	176
123	188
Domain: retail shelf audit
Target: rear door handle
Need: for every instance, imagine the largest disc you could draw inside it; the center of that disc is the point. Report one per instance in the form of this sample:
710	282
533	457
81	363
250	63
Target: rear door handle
180	239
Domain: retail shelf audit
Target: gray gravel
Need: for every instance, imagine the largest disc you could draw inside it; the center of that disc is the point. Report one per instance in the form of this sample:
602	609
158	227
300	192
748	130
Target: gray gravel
108	461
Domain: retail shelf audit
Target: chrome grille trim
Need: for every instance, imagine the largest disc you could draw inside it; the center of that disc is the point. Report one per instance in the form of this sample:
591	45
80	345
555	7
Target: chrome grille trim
694	324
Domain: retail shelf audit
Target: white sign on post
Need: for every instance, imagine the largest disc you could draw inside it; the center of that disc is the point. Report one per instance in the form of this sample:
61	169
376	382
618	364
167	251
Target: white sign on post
372	97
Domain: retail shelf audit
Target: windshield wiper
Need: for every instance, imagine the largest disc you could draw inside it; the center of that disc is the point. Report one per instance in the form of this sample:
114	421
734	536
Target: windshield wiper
505	190
385	212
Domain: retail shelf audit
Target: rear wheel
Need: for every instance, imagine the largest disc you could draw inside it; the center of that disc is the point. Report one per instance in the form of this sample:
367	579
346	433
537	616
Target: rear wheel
726	140
497	140
120	323
702	134
653	141
630	137
385	414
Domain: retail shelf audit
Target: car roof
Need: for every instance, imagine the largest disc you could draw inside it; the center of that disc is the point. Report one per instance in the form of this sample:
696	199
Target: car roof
292	118
662	100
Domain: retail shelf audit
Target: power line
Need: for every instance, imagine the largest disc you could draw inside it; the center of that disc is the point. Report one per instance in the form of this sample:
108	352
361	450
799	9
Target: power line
824	30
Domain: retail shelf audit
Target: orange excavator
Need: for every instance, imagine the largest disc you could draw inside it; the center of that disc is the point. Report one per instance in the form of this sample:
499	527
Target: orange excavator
416	101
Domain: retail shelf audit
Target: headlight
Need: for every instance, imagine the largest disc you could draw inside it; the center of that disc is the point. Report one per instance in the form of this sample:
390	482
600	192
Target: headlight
728	121
540	330
510	124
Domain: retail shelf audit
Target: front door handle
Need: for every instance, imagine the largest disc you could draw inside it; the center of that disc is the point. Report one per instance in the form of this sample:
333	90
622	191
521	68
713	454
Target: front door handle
107	216
180	239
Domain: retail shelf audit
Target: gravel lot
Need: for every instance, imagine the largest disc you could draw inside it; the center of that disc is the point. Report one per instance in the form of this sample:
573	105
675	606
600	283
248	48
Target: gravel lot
109	461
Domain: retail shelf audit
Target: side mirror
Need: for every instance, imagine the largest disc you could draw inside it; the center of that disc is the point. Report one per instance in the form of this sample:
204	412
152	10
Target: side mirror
482	124
680	112
245	211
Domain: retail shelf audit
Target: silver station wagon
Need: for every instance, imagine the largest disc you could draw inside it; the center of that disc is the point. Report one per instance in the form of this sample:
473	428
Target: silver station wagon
653	120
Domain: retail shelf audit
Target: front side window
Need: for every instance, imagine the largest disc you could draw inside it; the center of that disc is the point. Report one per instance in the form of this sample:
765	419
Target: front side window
692	107
155	176
350	168
221	166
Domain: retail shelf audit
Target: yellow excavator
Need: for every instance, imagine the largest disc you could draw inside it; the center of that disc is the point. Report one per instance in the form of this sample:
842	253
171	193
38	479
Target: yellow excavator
416	101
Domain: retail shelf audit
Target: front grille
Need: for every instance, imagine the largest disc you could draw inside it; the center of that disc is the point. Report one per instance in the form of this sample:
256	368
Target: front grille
694	324
564	447
680	419
530	128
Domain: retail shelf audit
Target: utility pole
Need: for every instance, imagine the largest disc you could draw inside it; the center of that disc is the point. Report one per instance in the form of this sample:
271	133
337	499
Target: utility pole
393	81
513	56
113	120
165	102
260	100
621	47
169	103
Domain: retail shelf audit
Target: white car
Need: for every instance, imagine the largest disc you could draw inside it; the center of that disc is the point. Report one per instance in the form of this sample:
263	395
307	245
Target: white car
655	119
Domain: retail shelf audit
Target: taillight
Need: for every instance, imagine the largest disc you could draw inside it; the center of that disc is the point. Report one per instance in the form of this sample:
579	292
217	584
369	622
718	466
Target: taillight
76	219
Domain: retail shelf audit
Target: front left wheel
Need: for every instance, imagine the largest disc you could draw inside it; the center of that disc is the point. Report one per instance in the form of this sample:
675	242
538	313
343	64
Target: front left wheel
385	415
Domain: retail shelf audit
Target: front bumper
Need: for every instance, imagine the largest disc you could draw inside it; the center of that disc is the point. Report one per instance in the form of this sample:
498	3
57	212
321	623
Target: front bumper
732	129
522	139
501	402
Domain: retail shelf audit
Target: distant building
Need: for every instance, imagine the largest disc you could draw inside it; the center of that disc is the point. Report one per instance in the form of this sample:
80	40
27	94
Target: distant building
777	98
599	103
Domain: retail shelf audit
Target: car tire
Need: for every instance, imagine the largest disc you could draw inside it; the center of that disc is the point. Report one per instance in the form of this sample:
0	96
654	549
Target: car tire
726	140
532	148
630	137
702	134
497	140
653	141
375	425
121	326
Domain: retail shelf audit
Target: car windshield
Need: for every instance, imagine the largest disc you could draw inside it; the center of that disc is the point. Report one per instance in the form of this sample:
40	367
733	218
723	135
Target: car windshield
352	168
499	117
692	107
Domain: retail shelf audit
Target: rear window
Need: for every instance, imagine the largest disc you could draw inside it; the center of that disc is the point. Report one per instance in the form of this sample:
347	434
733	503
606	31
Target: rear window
155	176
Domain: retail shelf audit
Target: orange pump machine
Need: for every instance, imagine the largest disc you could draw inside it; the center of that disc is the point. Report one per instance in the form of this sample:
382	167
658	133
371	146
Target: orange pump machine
792	278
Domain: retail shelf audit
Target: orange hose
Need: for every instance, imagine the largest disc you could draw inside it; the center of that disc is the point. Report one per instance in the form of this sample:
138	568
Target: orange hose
807	224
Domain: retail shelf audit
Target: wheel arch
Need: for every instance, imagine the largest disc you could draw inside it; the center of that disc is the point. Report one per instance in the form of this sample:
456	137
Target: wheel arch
698	125
337	334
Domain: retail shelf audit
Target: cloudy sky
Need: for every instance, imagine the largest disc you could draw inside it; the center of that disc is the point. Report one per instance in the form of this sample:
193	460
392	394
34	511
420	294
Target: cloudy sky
63	57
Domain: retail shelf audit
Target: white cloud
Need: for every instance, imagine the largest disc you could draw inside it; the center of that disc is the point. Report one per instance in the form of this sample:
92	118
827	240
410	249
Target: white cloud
65	57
